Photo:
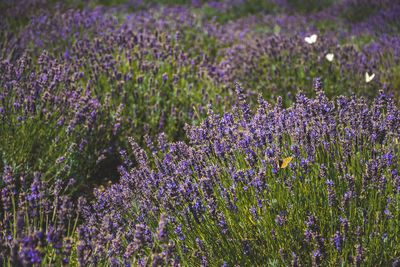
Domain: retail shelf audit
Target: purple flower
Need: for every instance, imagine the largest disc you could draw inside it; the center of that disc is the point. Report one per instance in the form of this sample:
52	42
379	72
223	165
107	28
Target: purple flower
331	193
165	77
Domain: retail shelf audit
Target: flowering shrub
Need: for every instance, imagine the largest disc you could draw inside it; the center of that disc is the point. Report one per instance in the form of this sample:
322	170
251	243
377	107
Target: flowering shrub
37	224
229	198
150	133
92	93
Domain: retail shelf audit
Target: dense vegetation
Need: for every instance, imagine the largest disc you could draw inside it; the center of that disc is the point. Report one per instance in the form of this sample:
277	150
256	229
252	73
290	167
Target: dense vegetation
215	133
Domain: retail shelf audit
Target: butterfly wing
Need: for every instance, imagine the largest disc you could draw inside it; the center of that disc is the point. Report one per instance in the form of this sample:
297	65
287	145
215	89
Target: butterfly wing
372	77
369	78
286	161
314	38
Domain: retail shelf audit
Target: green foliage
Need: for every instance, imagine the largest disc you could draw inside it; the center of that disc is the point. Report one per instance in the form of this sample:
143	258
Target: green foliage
309	6
359	10
237	11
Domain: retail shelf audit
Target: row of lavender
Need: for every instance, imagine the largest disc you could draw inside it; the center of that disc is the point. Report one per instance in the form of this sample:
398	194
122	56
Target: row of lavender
76	85
226	198
93	78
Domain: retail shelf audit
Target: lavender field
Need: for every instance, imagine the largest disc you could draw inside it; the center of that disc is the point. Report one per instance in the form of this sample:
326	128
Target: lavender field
200	133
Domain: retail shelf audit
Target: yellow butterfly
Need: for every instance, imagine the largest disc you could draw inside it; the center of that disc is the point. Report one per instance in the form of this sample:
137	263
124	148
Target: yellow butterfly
312	39
286	162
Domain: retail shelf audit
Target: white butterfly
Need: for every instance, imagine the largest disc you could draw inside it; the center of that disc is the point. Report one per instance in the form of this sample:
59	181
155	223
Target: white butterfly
329	57
369	78
312	39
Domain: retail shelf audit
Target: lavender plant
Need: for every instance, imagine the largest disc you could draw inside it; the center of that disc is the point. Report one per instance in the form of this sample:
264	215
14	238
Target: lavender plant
231	201
37	223
292	170
90	94
281	62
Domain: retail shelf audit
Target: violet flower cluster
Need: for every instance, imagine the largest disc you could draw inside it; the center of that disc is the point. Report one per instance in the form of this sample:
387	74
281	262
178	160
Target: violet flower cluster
228	191
34	220
199	133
